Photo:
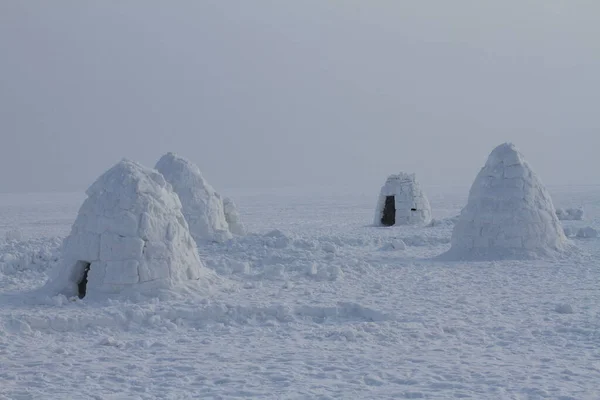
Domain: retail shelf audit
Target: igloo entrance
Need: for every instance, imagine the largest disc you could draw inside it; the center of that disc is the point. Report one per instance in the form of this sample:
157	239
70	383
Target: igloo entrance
82	268
388	217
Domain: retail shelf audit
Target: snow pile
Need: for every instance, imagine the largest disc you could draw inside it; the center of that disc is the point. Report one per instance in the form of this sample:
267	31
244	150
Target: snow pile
509	213
569	214
586	233
129	232
232	216
14	234
202	205
402	196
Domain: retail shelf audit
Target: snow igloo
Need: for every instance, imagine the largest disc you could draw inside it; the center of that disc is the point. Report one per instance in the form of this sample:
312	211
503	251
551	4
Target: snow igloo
208	215
509	213
402	202
129	233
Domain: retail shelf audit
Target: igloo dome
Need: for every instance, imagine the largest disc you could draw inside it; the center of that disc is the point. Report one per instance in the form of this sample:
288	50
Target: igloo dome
129	233
203	207
509	213
402	202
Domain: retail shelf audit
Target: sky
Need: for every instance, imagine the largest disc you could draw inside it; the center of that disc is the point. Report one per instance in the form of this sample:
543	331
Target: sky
270	93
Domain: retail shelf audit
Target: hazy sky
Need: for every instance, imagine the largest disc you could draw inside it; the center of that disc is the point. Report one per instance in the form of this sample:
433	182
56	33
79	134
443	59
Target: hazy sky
278	93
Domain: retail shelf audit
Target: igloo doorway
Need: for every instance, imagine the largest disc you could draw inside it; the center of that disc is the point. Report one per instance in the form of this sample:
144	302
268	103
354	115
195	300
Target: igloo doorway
389	211
82	268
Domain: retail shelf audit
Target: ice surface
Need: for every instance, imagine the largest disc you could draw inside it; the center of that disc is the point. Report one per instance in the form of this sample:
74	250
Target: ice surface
130	232
207	215
412	206
509	213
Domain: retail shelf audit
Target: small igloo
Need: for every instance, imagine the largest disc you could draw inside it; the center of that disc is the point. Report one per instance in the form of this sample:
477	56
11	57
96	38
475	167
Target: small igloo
203	207
509	213
130	233
402	202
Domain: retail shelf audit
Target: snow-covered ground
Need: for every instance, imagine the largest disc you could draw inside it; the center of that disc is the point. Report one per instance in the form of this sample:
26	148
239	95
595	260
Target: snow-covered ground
314	303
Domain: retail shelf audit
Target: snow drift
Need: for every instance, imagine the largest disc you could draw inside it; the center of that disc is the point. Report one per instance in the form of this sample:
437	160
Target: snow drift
402	202
203	207
509	213
129	232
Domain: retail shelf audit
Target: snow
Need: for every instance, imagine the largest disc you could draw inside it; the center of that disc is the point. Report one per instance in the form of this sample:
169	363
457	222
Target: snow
509	213
130	232
300	322
569	214
203	207
412	206
232	216
587	232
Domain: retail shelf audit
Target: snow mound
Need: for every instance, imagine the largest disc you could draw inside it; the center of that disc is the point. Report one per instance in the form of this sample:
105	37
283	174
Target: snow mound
202	205
509	214
570	214
232	216
129	233
587	232
402	196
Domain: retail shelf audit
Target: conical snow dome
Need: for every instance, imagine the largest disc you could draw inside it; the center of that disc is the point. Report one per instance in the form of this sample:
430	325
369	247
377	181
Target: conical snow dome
202	205
129	233
402	202
509	213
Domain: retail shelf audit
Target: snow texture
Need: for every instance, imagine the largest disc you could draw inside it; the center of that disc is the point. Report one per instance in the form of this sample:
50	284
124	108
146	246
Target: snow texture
202	205
509	213
570	214
586	233
412	206
303	323
130	232
232	216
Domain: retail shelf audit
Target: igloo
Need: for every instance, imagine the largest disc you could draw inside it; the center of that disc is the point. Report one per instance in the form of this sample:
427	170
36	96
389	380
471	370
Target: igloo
130	233
203	207
509	214
402	202
232	216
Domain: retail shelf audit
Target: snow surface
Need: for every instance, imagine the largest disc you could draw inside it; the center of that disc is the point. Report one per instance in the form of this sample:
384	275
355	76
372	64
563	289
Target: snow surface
509	213
202	206
300	321
412	206
130	232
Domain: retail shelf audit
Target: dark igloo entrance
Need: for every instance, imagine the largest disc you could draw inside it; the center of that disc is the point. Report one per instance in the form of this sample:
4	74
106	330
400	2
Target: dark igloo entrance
84	268
389	211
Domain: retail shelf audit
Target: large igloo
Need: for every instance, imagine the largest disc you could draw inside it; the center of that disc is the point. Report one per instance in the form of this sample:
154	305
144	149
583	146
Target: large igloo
402	202
203	207
509	214
130	233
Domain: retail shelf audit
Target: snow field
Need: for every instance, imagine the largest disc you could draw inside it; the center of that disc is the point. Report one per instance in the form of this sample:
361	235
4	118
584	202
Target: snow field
390	324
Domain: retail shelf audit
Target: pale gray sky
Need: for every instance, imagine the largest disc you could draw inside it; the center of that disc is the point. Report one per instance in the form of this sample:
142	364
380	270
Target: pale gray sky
276	93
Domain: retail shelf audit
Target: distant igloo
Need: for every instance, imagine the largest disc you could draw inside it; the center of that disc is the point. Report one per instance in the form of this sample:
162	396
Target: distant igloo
232	216
509	213
129	233
402	202
202	206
